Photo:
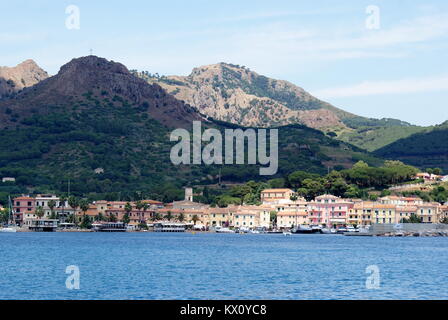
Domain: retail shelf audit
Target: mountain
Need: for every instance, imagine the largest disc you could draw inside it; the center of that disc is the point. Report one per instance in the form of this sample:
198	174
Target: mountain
95	114
426	149
238	95
93	79
26	74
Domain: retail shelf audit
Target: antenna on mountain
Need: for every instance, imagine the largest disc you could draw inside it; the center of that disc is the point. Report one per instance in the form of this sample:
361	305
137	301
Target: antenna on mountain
91	51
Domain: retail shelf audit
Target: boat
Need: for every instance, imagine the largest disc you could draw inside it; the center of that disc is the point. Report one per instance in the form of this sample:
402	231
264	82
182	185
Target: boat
219	229
110	227
10	227
305	230
169	227
328	231
287	233
352	229
342	230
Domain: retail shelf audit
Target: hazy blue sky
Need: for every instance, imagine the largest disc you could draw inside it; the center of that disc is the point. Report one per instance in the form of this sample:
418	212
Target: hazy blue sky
399	70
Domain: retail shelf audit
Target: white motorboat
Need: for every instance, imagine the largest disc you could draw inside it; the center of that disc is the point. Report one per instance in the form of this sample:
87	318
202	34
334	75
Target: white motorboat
223	230
9	229
328	231
287	233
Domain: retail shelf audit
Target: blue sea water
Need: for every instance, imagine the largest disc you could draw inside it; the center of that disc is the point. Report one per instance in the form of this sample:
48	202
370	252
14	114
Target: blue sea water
220	266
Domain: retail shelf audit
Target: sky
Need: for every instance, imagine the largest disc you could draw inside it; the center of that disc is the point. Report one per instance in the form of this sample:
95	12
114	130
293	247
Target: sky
381	59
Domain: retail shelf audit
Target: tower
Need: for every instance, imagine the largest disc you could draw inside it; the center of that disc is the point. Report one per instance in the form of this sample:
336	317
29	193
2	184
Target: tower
189	194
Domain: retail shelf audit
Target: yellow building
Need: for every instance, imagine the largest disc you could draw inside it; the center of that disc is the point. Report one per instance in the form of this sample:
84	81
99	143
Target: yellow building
220	216
275	195
292	218
252	216
384	213
429	212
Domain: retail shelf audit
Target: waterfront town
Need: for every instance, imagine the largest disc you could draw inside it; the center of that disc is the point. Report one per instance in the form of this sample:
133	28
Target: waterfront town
280	209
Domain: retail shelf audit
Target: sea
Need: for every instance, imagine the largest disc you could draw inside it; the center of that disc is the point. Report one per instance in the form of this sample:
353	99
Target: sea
103	266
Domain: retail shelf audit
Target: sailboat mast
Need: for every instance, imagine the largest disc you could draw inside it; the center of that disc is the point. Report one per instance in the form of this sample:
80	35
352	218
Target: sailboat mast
11	213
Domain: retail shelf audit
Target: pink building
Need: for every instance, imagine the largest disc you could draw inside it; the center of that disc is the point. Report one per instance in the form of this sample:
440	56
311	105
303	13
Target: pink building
329	210
22	205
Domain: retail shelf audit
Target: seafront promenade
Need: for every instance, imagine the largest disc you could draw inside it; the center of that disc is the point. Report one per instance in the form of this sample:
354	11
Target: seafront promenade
278	209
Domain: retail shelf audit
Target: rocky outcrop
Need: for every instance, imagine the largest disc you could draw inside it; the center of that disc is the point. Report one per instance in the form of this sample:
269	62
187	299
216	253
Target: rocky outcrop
26	74
236	94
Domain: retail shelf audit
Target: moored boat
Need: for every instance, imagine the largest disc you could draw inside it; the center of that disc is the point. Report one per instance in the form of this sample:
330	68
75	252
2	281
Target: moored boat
305	230
223	230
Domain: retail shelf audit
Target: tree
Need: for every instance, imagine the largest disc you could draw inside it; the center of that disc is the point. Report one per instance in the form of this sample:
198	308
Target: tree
126	218
128	207
112	218
273	217
139	205
51	205
86	222
40	212
169	216
73	202
155	216
100	217
412	219
297	178
84	206
195	218
181	217
4	216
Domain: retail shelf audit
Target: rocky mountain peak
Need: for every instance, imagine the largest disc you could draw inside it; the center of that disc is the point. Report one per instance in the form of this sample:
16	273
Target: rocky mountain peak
14	79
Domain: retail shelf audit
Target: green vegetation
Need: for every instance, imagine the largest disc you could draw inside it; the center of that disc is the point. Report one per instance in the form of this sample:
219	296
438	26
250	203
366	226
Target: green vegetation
372	138
423	150
412	219
47	150
438	194
349	183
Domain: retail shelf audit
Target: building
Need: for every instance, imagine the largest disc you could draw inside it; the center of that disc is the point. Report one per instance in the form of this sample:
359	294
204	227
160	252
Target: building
60	209
222	217
405	212
8	179
429	212
276	195
401	201
329	210
384	213
292	218
23	207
